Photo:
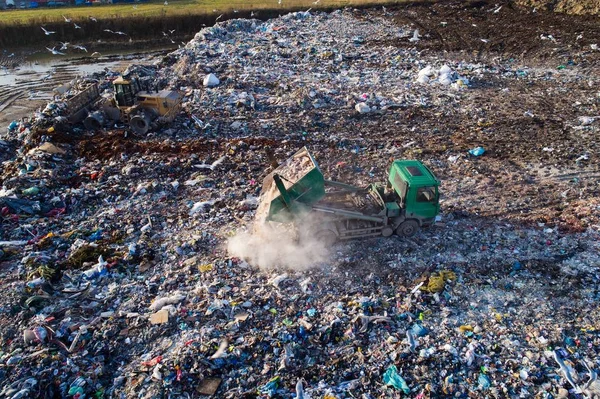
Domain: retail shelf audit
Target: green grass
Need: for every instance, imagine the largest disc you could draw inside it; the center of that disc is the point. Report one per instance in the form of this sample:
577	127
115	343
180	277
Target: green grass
156	8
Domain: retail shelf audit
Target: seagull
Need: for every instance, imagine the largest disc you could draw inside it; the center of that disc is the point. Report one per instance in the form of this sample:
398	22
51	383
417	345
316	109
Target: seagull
55	52
108	30
415	37
497	10
93	19
579	36
135	7
78	47
211	166
77	26
120	33
484	40
235	11
172	41
47	32
279	1
64	45
172	31
165	35
96	54
219	17
251	14
67	20
166	3
317	2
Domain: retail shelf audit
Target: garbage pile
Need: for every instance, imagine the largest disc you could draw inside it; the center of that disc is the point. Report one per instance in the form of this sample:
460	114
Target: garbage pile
114	264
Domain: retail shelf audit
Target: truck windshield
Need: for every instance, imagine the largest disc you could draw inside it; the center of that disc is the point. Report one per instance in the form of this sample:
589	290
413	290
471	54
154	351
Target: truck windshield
426	194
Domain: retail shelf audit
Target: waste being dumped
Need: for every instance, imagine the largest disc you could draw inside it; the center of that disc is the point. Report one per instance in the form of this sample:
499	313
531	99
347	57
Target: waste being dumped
114	263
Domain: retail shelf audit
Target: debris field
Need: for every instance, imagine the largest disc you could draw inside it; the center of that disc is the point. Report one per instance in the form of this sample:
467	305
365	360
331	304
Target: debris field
115	267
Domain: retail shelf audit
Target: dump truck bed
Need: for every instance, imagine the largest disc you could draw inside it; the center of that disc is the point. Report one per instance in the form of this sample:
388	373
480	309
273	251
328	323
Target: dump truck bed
359	201
303	183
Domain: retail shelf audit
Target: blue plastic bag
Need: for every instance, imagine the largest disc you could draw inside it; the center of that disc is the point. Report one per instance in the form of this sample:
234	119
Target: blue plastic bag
477	151
484	382
391	377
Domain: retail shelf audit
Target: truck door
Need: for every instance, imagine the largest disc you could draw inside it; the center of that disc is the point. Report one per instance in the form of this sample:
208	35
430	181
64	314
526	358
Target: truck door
425	202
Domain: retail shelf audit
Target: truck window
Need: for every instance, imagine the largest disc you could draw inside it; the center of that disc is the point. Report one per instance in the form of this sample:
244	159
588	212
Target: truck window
401	185
426	194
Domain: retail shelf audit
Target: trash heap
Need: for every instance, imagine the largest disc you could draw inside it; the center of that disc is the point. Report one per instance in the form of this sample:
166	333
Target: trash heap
114	265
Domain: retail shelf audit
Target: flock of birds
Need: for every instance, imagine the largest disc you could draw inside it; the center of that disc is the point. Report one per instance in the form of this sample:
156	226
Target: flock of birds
65	45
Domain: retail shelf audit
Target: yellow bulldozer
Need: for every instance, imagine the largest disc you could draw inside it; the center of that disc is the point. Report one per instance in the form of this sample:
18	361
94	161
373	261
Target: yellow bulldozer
130	104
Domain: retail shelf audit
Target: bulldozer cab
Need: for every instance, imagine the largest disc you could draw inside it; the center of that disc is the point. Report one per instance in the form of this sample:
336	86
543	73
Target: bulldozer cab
416	188
125	91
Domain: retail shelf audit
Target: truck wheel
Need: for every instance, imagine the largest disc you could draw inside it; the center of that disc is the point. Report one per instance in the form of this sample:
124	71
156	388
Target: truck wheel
407	228
387	231
326	237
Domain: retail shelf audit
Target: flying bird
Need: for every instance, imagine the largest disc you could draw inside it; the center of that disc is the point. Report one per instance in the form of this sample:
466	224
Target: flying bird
64	46
93	19
67	20
108	30
415	37
78	47
251	13
55	52
211	166
120	33
96	54
172	31
317	2
279	1
47	32
172	41
497	10
219	17
484	40
77	26
166	3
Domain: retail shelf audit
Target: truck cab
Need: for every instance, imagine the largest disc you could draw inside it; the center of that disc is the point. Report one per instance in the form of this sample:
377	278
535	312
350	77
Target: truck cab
416	191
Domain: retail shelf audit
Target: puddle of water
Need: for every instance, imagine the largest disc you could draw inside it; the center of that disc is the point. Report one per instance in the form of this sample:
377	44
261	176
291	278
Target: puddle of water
43	64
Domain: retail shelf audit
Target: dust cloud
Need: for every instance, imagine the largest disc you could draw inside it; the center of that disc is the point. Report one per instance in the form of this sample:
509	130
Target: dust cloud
271	245
274	246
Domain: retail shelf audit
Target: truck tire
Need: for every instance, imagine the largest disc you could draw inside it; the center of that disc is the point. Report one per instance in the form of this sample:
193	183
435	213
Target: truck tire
387	231
408	228
326	237
94	121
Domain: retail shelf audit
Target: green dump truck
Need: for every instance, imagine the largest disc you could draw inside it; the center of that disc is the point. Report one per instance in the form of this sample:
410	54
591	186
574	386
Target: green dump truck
296	192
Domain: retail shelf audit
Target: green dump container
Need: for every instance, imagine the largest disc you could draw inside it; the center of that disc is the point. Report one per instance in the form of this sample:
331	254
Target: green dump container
302	185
